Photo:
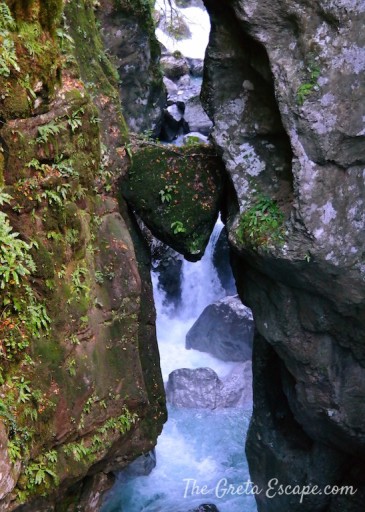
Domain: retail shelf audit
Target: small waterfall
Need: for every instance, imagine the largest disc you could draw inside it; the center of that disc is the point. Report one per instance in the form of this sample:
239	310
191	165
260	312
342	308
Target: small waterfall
197	446
196	298
200	287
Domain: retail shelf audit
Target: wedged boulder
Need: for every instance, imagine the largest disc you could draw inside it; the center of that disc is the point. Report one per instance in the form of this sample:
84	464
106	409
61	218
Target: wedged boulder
202	388
196	118
177	193
225	329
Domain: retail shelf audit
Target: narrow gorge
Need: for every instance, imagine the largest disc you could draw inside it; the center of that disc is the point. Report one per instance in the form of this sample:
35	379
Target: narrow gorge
118	153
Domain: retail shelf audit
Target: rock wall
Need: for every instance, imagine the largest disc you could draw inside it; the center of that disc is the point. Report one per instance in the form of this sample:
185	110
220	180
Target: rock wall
289	124
128	32
81	393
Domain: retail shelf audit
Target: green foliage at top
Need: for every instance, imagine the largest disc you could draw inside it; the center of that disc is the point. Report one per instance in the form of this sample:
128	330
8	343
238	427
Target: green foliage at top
261	225
8	57
7	21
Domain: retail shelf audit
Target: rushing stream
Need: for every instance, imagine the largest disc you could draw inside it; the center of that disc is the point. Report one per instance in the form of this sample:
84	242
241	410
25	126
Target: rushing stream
197	447
200	453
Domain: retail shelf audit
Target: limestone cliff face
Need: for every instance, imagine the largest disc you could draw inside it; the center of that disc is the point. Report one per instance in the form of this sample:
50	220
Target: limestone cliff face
289	123
81	392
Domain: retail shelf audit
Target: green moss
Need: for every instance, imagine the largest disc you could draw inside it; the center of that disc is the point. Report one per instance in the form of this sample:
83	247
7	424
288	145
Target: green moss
261	225
95	67
49	352
176	191
43	260
50	13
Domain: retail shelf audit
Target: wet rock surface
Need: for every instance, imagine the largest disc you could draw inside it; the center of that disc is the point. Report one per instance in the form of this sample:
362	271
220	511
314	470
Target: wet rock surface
128	34
202	388
288	130
224	329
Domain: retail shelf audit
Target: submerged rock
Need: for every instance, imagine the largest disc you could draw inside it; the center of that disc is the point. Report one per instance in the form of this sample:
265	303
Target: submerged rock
202	388
207	507
225	329
142	466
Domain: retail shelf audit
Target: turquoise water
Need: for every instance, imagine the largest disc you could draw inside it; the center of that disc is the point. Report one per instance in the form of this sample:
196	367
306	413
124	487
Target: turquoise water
197	448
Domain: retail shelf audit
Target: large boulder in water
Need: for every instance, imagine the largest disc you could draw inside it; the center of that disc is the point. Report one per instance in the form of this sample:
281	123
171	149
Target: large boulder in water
202	388
225	329
174	66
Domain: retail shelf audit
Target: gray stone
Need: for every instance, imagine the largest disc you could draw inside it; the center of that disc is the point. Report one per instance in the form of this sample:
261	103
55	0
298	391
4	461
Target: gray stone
224	329
142	466
174	67
202	388
196	67
196	118
135	54
206	507
171	87
306	152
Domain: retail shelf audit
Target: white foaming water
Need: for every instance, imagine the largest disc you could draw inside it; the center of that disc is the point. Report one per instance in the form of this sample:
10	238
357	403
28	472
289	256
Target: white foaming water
197	445
200	287
205	446
199	24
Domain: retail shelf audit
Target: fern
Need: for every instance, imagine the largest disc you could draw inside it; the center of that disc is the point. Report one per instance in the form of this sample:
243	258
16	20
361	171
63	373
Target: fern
15	260
6	19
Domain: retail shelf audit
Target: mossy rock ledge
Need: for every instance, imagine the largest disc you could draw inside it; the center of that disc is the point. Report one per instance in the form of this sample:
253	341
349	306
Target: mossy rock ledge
176	191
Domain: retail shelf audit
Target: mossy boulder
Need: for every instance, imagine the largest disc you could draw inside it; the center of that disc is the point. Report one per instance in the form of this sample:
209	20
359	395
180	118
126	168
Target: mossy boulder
176	191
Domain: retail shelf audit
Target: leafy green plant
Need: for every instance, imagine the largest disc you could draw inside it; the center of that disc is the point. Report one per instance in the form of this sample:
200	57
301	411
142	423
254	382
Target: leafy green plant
192	140
166	193
15	259
41	472
178	227
7	21
8	57
262	224
77	450
78	280
47	131
74	119
31	35
71	367
305	89
14	451
65	40
25	82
